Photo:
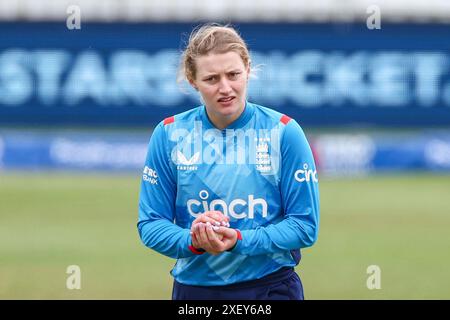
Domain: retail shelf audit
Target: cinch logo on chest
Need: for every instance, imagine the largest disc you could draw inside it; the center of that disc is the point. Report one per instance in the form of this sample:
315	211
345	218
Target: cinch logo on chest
236	208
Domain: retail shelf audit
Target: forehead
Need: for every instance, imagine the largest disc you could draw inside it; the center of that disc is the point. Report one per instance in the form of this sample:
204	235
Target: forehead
219	62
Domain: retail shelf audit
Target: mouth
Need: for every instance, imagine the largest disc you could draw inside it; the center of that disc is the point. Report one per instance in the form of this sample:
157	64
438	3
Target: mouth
226	100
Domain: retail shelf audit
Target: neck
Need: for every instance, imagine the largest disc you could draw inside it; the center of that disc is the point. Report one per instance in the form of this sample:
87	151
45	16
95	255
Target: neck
221	121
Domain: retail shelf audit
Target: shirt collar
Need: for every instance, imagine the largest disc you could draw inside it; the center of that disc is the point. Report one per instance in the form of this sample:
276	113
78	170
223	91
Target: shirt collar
240	122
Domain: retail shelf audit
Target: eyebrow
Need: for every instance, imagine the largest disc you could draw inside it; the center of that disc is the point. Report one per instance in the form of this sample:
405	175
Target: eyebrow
215	74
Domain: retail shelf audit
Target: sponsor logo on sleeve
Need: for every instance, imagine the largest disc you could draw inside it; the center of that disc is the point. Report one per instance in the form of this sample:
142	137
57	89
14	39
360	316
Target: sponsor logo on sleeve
306	174
150	175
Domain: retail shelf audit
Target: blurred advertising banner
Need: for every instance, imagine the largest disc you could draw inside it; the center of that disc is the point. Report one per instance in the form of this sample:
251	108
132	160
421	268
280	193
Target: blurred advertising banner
72	151
335	154
319	74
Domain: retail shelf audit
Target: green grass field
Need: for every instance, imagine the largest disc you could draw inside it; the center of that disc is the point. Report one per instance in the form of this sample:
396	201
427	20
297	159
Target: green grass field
50	221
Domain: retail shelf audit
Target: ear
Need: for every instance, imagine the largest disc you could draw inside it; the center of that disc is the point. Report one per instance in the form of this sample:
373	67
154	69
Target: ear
192	83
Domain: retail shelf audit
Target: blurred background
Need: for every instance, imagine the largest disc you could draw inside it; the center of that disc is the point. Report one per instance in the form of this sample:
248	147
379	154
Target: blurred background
83	83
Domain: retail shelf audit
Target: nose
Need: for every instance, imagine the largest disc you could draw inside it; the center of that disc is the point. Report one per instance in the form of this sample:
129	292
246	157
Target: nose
224	86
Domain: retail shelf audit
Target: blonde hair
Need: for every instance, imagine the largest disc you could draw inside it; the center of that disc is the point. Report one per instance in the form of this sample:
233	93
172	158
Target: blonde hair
211	38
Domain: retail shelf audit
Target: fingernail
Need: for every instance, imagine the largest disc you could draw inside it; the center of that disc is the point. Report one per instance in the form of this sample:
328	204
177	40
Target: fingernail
228	225
217	223
208	223
215	228
224	223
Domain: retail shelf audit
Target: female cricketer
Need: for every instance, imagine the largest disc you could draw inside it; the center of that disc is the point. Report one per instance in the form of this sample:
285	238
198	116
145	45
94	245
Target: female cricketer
230	188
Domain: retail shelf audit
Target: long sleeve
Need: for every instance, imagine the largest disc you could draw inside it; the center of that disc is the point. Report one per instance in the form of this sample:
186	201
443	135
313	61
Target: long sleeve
156	224
300	199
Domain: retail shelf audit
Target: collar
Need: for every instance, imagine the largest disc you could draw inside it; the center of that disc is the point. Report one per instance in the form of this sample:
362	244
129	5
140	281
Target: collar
240	122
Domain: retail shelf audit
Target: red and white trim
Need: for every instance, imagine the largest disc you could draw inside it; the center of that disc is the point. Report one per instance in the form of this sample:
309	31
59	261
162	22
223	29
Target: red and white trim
169	120
195	250
285	119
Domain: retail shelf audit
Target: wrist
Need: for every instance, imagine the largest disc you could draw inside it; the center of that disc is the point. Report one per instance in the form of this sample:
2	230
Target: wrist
238	238
196	250
193	248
